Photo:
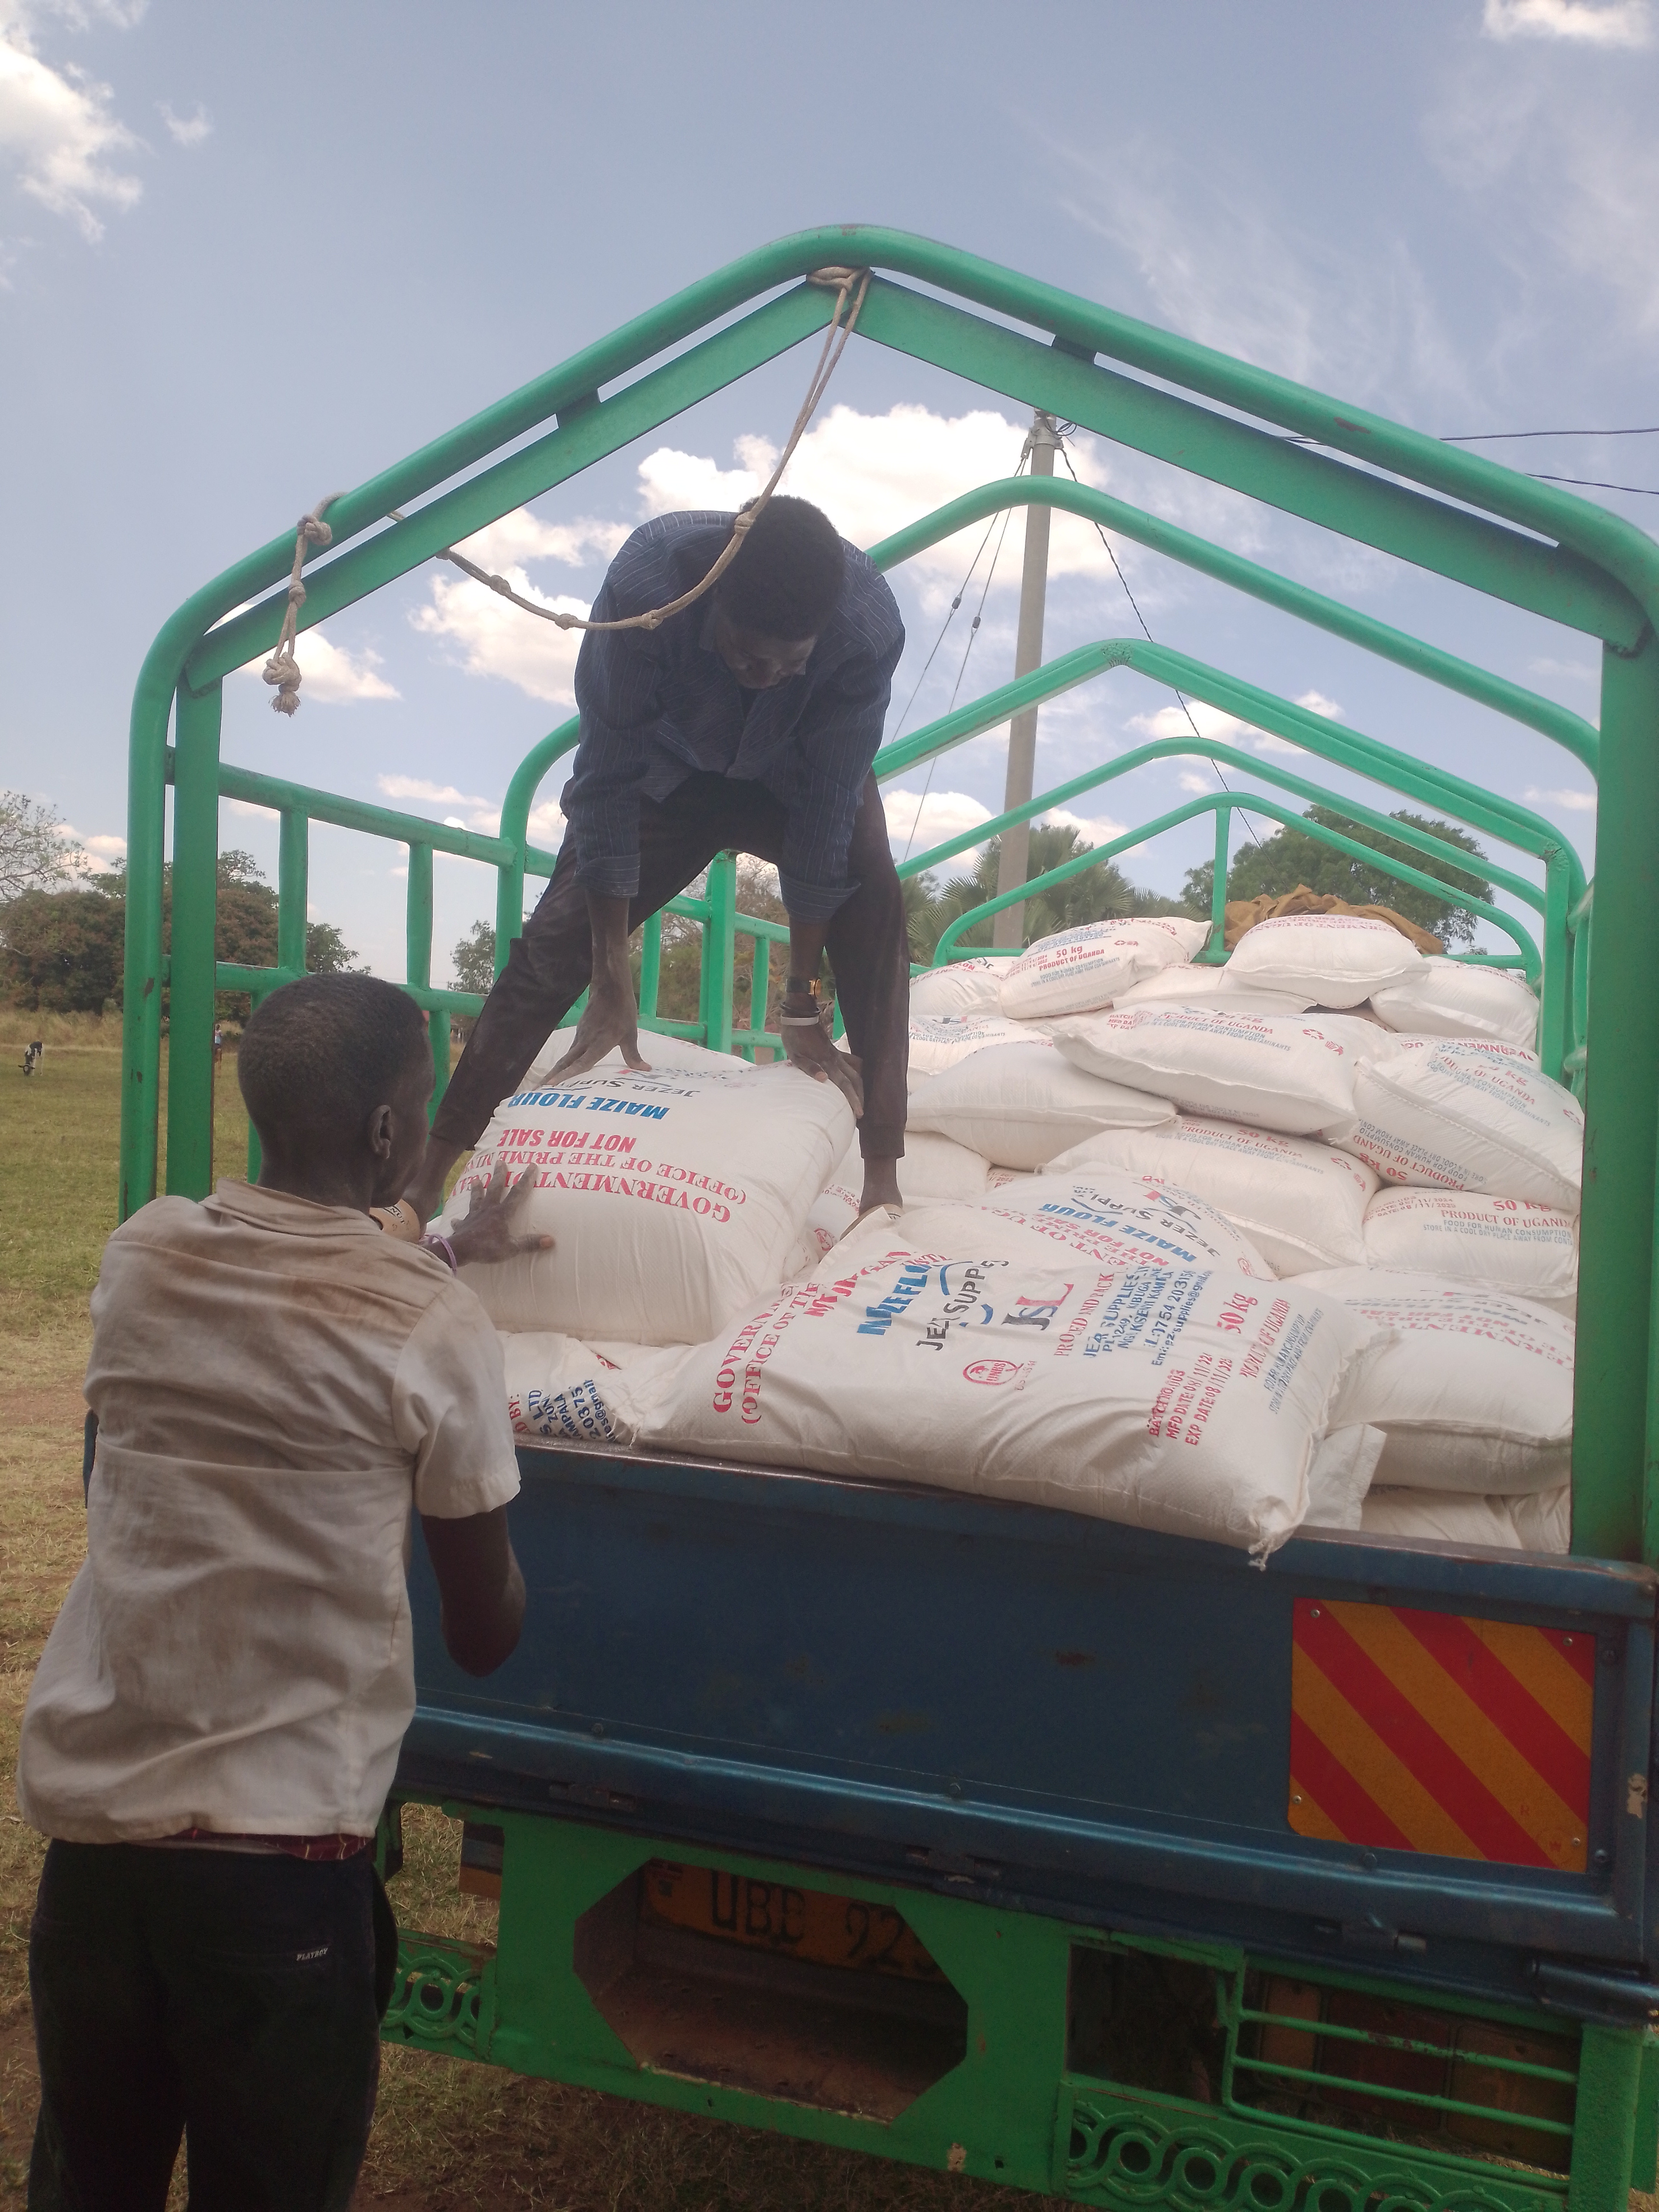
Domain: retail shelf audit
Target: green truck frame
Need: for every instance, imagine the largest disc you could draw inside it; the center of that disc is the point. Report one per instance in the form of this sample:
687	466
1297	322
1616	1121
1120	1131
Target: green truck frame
1022	1947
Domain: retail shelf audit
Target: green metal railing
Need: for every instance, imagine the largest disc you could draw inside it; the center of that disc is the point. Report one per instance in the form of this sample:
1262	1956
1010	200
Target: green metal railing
1453	513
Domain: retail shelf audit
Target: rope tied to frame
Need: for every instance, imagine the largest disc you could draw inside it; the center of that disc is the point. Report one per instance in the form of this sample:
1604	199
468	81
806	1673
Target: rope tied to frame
847	284
282	669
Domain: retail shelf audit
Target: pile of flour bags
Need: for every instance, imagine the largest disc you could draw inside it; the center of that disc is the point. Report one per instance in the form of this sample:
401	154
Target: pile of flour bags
1220	1251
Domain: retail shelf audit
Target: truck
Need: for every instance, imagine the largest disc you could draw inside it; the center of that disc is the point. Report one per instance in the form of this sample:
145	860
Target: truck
969	1832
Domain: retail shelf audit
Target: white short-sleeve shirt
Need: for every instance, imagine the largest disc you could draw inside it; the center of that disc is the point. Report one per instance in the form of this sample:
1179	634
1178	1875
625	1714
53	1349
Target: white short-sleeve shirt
275	1384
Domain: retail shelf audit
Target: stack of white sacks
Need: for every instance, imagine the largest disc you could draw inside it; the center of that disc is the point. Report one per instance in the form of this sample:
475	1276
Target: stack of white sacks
1218	1250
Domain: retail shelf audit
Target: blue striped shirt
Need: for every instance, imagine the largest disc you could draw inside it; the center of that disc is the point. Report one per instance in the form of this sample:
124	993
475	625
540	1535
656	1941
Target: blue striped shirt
657	705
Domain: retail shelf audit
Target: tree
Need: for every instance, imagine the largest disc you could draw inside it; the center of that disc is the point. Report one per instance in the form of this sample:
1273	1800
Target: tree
34	849
327	953
1290	858
60	951
474	959
1102	893
64	952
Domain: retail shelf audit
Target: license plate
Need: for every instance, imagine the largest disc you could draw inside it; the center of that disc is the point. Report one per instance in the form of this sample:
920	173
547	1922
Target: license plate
790	1922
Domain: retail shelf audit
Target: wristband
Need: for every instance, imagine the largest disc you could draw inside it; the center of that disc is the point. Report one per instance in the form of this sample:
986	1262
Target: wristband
442	1249
799	1022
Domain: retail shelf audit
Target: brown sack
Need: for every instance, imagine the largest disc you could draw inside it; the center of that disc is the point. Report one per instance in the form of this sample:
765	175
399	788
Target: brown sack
1244	914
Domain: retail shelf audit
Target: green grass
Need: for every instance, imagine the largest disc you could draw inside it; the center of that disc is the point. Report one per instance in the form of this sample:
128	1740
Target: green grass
448	2134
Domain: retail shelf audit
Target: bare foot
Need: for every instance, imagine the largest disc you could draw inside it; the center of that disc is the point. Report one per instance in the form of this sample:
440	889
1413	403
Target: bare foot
880	1186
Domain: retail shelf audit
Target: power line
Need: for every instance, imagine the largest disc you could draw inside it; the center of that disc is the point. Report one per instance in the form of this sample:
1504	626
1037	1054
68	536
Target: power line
1061	429
973	632
1488	437
1594	484
1537	475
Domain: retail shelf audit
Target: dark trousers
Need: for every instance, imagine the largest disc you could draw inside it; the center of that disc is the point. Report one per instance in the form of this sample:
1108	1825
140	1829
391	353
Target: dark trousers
550	965
224	1997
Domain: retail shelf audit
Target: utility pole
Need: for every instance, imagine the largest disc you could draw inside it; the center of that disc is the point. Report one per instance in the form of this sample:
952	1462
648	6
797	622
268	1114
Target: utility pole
1013	867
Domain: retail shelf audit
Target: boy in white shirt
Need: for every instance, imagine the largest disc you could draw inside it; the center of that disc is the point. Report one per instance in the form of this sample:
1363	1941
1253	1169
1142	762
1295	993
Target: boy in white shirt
216	1716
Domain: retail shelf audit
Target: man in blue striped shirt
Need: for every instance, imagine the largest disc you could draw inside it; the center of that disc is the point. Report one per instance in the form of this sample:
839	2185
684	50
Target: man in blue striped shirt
747	721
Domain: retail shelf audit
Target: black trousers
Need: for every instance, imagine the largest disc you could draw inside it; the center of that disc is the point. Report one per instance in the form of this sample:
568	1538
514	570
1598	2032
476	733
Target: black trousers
228	1998
551	964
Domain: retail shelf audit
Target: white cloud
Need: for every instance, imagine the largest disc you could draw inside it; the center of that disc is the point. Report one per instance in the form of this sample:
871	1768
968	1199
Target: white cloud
1094	829
187	131
1571	671
469	811
495	638
1225	729
521	535
1568	169
670	481
1174	722
1200	786
57	128
1615	23
921	823
476	813
873	474
103	852
1573	802
1220	263
330	675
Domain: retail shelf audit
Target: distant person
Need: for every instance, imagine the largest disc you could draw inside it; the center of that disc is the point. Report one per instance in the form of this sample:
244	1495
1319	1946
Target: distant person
216	1716
748	721
218	1044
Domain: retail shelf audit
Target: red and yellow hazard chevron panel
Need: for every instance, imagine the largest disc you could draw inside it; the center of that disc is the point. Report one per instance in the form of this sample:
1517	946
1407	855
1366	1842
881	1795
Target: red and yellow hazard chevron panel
1416	1731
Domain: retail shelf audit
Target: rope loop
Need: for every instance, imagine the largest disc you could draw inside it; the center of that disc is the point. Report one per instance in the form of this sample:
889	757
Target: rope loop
847	284
282	669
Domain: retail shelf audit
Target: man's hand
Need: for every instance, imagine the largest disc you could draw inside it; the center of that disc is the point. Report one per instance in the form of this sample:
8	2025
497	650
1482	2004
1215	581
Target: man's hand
610	1017
812	1049
490	1228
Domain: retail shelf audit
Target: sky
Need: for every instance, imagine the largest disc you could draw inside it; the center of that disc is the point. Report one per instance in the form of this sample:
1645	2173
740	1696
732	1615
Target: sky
247	259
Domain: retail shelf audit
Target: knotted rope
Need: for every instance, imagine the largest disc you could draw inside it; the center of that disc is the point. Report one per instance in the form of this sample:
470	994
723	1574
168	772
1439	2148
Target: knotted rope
854	282
282	669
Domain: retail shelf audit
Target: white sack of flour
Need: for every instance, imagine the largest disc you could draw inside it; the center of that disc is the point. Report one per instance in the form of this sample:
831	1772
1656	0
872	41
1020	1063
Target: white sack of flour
1170	1398
555	1387
1302	1203
1447	998
1473	1390
1542	1523
1338	959
960	987
939	1041
1290	1072
1212	985
656	1050
1019	1104
933	1167
674	1199
1465	1115
1101	1218
1511	1245
1078	968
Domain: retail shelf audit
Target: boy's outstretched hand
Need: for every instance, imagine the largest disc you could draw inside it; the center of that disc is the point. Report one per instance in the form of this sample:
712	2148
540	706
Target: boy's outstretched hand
490	1228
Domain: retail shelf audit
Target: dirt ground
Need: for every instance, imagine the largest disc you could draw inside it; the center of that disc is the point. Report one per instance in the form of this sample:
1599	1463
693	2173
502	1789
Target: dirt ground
448	2134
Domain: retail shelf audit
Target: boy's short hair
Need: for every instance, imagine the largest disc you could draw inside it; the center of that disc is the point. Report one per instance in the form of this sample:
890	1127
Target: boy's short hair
318	1055
786	579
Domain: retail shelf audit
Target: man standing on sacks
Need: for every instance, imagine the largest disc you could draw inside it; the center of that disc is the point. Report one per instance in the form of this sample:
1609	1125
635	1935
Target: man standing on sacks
747	721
